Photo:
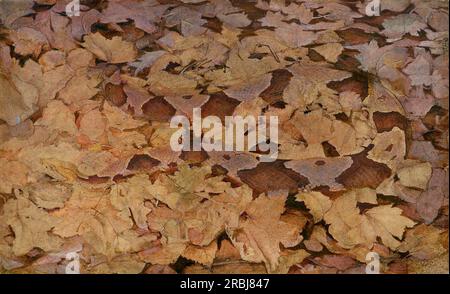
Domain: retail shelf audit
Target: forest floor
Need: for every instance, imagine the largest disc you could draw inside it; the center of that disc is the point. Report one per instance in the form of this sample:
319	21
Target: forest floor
90	172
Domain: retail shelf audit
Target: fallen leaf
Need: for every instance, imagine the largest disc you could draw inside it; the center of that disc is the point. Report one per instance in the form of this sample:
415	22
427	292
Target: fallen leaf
350	228
114	51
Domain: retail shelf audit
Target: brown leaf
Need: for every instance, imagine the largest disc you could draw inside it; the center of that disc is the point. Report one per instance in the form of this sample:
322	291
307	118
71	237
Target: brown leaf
258	237
113	50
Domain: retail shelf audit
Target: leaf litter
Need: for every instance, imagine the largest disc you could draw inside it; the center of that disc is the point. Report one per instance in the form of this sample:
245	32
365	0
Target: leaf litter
87	167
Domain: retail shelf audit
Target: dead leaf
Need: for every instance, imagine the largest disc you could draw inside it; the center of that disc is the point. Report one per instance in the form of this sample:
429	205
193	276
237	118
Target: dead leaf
113	50
350	228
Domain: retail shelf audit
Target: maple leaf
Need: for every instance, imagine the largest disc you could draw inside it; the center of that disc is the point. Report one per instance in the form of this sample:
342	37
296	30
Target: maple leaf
81	26
243	71
70	79
309	83
129	198
137	97
419	71
229	15
300	12
237	20
340	262
186	188
120	120
350	228
199	226
249	90
93	125
384	61
166	84
272	19
259	235
190	21
294	36
299	151
315	127
144	13
59	161
21	90
90	214
293	10
234	200
114	51
397	26
220	213
11	103
419	103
